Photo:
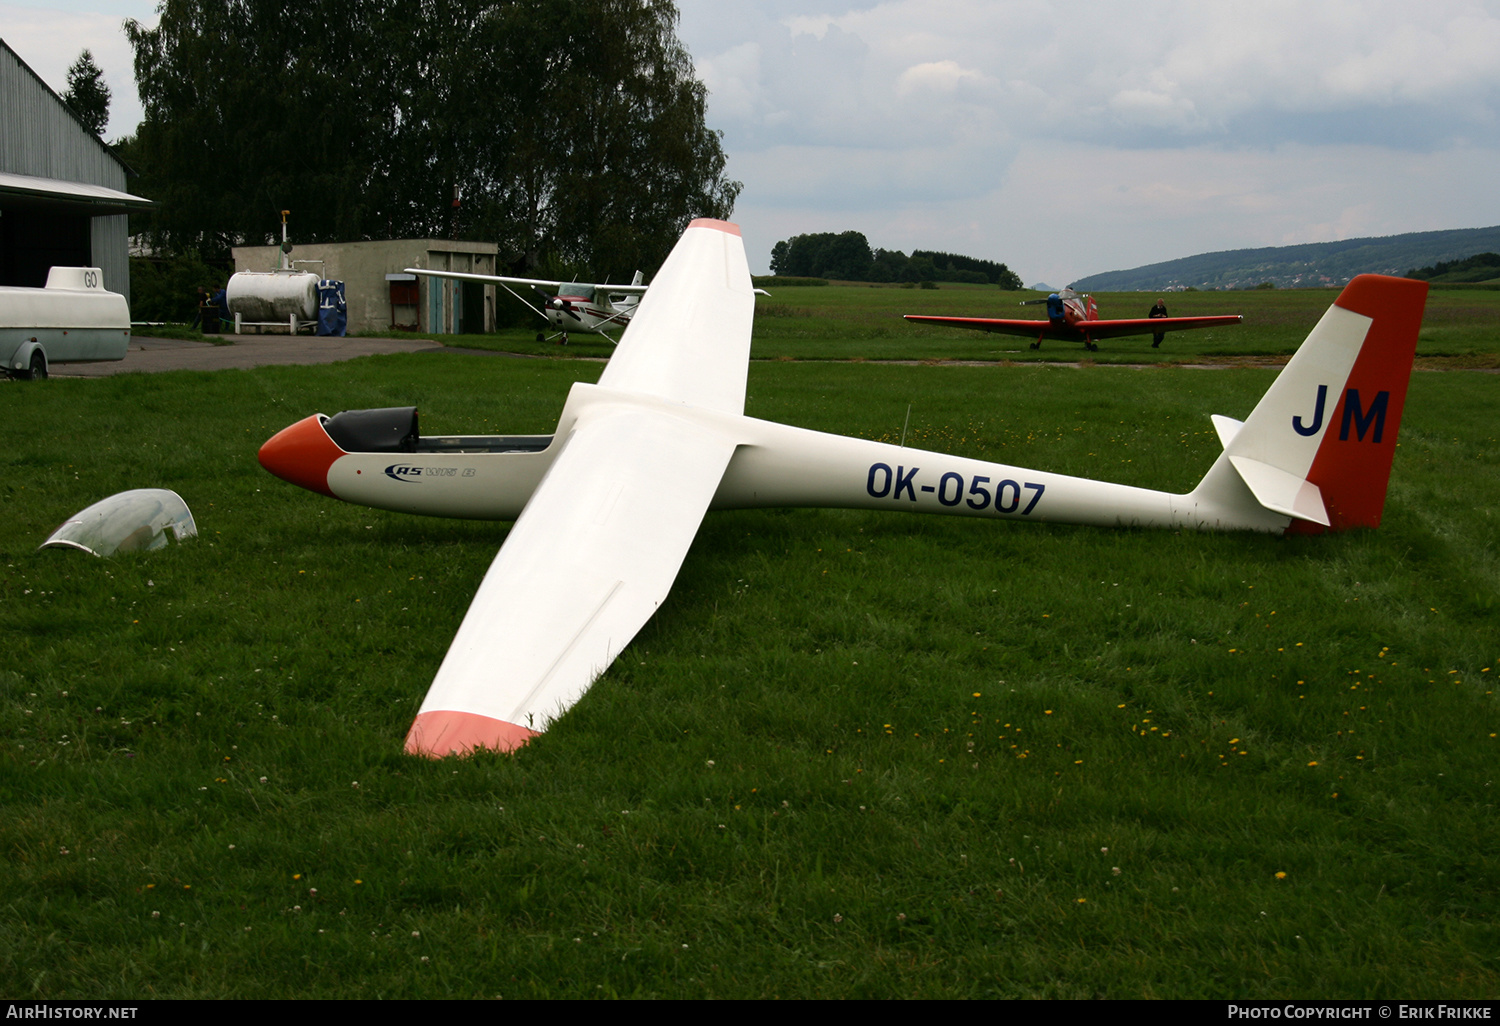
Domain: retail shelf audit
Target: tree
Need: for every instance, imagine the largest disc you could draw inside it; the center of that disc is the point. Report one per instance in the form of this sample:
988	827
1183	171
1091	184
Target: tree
846	256
87	94
571	132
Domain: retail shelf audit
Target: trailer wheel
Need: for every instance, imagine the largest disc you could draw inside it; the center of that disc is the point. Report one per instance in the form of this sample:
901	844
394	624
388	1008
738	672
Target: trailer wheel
38	369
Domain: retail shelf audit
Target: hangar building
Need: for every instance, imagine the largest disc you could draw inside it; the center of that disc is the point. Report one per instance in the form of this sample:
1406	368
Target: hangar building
62	192
381	296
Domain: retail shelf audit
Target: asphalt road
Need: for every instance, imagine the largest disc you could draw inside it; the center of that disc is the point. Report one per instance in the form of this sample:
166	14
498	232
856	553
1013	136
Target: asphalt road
151	355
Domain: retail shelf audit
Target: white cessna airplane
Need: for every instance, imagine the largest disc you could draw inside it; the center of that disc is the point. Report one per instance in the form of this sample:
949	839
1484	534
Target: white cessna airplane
607	507
573	306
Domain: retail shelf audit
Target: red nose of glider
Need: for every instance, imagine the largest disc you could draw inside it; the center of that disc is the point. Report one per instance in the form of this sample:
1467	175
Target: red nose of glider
302	455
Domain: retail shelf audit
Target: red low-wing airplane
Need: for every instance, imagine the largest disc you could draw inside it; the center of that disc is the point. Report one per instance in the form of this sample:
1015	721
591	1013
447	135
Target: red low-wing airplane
1072	317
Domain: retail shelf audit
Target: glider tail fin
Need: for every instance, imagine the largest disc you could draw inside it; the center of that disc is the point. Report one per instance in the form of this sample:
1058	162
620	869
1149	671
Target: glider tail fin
1319	445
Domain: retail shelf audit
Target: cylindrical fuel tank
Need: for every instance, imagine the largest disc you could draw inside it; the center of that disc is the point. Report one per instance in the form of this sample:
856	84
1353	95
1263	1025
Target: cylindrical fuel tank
273	295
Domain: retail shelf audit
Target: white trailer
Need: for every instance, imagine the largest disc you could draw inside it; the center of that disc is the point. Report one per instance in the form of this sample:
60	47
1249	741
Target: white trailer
74	319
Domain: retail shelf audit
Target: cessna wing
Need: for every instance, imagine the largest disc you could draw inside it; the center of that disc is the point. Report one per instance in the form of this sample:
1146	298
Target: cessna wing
600	541
1093	330
495	279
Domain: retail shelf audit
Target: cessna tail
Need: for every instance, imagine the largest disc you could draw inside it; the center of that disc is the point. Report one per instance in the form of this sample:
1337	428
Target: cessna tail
607	506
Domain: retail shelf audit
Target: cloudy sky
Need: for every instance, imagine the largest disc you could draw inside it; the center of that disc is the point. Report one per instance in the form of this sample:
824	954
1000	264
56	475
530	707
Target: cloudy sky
1064	138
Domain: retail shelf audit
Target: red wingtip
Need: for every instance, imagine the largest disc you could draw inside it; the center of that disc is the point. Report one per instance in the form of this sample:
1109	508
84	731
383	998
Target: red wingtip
444	732
302	455
718	226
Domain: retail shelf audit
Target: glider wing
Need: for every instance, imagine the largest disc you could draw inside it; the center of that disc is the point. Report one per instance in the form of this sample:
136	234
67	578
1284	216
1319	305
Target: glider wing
600	542
689	340
588	562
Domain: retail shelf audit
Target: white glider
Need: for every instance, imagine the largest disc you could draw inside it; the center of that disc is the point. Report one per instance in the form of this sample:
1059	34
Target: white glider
607	507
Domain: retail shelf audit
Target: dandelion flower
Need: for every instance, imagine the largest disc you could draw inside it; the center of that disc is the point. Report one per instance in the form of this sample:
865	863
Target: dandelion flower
1281	876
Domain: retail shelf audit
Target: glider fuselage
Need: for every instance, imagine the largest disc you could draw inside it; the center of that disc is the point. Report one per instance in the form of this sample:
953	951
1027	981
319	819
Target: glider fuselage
774	465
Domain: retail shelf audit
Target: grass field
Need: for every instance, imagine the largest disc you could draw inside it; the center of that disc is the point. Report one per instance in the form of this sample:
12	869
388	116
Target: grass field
855	754
851	322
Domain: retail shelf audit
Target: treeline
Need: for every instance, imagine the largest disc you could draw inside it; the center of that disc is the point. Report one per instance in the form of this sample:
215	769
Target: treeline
847	256
1479	267
571	132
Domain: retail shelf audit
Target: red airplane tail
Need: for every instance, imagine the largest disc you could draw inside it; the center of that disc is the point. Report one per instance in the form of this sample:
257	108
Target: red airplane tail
1319	446
1353	464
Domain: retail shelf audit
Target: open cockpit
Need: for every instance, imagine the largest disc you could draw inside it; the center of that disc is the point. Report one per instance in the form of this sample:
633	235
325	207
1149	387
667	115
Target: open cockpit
395	430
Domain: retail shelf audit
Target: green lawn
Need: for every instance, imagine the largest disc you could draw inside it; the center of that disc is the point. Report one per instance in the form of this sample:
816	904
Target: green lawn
855	754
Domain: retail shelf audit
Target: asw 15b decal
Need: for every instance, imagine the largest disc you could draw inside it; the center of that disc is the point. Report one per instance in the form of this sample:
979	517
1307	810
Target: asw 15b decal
407	472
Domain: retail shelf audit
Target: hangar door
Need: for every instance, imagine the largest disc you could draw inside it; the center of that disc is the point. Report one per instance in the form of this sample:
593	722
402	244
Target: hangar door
34	238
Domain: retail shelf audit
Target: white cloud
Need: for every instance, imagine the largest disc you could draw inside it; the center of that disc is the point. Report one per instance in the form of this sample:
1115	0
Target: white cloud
1079	136
733	79
802	25
50	39
936	76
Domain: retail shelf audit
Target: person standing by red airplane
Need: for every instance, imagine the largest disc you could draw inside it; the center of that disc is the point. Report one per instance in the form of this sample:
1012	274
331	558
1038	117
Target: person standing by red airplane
1159	310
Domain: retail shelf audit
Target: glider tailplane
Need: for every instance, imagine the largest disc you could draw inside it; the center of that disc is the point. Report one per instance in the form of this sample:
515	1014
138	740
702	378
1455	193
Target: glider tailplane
1318	446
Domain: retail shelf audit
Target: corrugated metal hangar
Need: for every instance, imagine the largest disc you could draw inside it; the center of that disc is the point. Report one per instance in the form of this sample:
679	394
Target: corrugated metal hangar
62	192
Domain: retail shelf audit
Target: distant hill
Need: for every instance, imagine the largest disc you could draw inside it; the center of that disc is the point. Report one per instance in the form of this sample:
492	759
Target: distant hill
1305	266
